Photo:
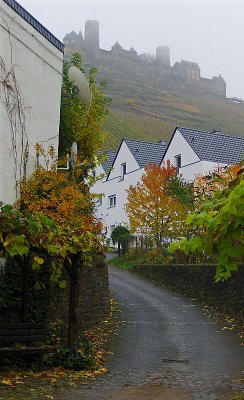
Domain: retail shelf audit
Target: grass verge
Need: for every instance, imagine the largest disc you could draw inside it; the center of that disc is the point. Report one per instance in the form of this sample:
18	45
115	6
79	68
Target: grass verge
126	264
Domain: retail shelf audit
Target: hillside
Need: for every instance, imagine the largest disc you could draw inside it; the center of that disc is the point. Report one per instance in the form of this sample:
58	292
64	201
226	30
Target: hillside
140	110
144	122
150	106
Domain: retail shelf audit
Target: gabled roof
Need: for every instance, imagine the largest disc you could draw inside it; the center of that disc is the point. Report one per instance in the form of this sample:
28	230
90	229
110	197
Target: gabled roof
107	165
143	152
146	152
35	24
214	146
117	46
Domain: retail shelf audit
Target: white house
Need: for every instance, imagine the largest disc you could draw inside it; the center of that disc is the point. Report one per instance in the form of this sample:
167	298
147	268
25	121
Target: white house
192	152
199	152
123	169
31	62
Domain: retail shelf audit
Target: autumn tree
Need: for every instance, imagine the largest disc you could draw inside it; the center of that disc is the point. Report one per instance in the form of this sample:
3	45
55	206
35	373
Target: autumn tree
206	185
66	200
152	210
218	226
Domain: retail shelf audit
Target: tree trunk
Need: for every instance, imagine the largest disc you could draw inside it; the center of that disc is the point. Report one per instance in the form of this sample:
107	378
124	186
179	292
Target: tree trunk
24	265
119	250
74	296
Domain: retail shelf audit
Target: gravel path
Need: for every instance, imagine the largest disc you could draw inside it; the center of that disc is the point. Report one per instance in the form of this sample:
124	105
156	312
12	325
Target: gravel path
165	349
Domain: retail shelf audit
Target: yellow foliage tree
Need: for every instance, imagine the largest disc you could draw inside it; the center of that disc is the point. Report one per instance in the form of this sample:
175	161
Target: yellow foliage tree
152	210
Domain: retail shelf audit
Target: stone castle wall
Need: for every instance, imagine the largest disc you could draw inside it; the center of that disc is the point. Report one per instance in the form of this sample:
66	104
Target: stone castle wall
153	69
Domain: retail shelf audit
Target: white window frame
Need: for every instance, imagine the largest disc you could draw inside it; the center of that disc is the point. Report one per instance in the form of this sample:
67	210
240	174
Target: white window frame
177	163
123	170
112	201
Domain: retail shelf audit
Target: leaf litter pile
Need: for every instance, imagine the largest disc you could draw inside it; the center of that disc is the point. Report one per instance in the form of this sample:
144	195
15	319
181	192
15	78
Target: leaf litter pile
17	383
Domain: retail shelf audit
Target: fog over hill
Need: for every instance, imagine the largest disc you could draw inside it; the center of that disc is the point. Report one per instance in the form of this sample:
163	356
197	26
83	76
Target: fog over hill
153	96
209	32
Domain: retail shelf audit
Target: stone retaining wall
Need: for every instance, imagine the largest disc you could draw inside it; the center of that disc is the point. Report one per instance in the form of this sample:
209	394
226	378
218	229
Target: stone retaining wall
198	281
94	296
95	303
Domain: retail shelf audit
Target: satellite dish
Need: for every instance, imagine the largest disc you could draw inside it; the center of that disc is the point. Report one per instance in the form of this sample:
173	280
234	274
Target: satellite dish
79	85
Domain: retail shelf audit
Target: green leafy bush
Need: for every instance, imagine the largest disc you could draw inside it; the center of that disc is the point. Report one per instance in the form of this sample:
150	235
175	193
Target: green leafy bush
76	358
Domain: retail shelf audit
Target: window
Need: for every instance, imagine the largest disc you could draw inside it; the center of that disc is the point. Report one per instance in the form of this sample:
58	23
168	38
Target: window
100	201
178	163
123	171
112	200
94	173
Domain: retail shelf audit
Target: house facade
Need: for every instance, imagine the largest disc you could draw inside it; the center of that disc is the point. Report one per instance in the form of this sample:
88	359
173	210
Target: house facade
195	152
31	62
192	152
123	168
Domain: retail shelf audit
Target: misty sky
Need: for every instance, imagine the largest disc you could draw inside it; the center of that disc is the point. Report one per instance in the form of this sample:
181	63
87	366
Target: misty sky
209	32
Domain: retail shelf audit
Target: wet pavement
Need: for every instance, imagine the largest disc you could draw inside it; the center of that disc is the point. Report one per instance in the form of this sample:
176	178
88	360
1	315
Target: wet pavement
166	348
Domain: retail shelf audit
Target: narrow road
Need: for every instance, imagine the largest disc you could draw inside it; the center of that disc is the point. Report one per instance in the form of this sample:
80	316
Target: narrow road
166	349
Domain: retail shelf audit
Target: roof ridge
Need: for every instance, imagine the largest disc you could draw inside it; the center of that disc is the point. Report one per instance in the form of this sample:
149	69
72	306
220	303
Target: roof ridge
216	131
144	141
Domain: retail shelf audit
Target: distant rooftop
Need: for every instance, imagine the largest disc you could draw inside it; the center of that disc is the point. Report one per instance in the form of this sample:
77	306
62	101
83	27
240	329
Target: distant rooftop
214	146
35	24
189	64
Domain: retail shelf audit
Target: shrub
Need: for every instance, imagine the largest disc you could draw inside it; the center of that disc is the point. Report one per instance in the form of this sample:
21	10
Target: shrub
76	358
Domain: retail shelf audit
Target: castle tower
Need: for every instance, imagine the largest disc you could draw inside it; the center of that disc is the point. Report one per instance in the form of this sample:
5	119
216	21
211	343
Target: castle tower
163	55
91	38
73	41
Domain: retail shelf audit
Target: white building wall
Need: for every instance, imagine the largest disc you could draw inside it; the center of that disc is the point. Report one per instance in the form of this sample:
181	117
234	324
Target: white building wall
38	69
189	172
113	216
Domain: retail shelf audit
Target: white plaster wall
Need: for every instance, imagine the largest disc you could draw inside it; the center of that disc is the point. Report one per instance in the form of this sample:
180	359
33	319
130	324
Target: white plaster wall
116	215
189	172
38	68
178	146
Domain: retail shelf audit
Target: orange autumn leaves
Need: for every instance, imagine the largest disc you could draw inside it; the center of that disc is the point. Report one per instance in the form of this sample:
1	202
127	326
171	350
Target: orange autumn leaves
65	198
57	196
206	185
151	210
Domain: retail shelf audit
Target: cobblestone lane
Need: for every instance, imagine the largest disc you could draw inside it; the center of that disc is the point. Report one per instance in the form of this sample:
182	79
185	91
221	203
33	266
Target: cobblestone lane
166	349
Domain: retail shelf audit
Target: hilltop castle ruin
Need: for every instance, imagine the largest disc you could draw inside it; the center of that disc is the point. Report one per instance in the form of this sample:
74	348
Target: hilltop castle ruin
155	69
